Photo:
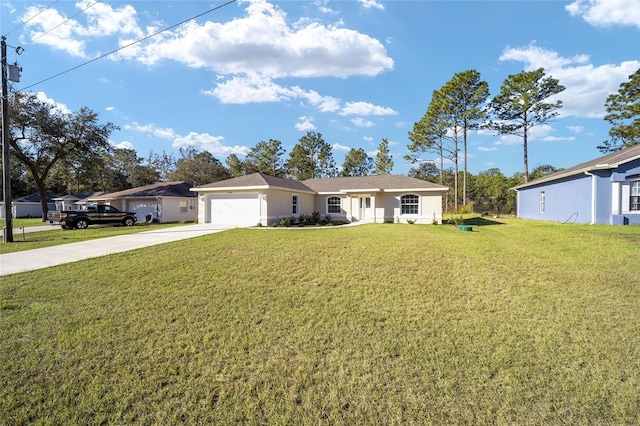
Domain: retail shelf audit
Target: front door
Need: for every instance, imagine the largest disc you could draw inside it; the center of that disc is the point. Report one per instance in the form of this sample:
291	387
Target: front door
365	208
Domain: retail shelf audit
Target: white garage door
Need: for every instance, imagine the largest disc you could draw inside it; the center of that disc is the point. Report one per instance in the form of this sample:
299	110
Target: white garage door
235	209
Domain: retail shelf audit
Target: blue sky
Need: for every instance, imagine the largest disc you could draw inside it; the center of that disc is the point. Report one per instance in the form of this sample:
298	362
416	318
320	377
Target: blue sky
356	71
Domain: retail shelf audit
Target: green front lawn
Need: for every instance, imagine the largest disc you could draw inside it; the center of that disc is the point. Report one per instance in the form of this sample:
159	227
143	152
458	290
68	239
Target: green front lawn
23	223
517	322
55	235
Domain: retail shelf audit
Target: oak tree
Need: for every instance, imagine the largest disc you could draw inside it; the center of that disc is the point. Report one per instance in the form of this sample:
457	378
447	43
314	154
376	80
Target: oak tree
41	135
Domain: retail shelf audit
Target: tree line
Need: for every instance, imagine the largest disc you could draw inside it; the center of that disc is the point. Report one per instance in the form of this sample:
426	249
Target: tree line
53	151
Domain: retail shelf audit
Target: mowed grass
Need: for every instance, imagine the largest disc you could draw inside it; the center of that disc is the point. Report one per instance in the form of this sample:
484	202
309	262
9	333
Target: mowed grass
514	323
55	235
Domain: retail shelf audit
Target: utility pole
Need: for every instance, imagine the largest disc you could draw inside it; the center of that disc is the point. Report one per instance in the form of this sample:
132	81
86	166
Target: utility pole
6	167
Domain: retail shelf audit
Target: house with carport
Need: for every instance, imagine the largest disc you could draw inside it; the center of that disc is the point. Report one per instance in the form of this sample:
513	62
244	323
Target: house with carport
260	199
605	190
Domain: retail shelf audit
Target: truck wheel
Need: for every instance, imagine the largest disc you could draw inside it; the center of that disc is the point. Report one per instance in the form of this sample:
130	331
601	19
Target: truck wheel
128	221
64	227
82	224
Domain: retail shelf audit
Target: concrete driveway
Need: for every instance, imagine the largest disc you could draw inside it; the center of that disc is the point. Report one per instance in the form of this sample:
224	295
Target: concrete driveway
12	263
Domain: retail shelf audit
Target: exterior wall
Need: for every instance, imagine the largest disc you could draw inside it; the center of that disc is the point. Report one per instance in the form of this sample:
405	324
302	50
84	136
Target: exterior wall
621	179
170	209
601	197
320	205
385	206
279	204
429	208
162	209
274	204
565	200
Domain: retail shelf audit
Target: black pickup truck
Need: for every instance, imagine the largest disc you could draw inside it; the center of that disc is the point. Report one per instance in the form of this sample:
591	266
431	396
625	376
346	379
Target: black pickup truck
93	215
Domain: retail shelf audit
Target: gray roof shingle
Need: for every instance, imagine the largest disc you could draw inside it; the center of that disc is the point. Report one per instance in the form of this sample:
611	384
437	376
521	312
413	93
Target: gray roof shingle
338	184
257	179
162	189
381	182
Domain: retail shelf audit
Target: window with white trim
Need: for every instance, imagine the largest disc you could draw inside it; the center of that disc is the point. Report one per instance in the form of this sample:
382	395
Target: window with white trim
183	206
634	200
294	204
334	205
409	204
543	201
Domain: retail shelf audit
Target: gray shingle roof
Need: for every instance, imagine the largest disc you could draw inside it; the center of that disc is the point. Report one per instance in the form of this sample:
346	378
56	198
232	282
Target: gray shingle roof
162	189
382	182
257	179
609	161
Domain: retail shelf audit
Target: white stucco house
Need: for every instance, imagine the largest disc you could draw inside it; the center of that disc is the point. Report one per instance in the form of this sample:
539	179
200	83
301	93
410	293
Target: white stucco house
260	199
164	201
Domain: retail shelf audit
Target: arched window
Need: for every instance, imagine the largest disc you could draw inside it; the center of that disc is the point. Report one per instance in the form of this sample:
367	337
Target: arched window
333	205
409	204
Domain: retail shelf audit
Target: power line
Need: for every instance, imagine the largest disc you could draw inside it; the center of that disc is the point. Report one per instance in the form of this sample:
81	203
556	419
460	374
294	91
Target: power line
41	11
65	21
128	45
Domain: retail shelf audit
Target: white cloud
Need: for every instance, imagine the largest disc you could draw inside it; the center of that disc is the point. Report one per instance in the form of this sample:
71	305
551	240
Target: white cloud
371	4
163	133
104	20
365	108
361	122
53	29
338	147
207	142
605	13
509	140
305	124
263	42
323	7
485	149
559	139
123	145
57	106
250	88
576	129
259	88
587	85
367	138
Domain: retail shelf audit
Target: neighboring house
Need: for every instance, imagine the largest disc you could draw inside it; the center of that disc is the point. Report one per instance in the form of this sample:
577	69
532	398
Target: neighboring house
164	202
74	201
605	191
28	206
262	199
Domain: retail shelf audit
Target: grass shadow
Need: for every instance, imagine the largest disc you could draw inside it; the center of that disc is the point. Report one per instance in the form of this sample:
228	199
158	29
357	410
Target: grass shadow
481	221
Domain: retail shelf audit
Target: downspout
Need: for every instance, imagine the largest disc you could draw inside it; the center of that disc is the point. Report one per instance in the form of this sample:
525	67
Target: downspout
593	197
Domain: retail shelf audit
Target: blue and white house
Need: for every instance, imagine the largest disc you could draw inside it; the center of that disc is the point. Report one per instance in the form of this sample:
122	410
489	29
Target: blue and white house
602	191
